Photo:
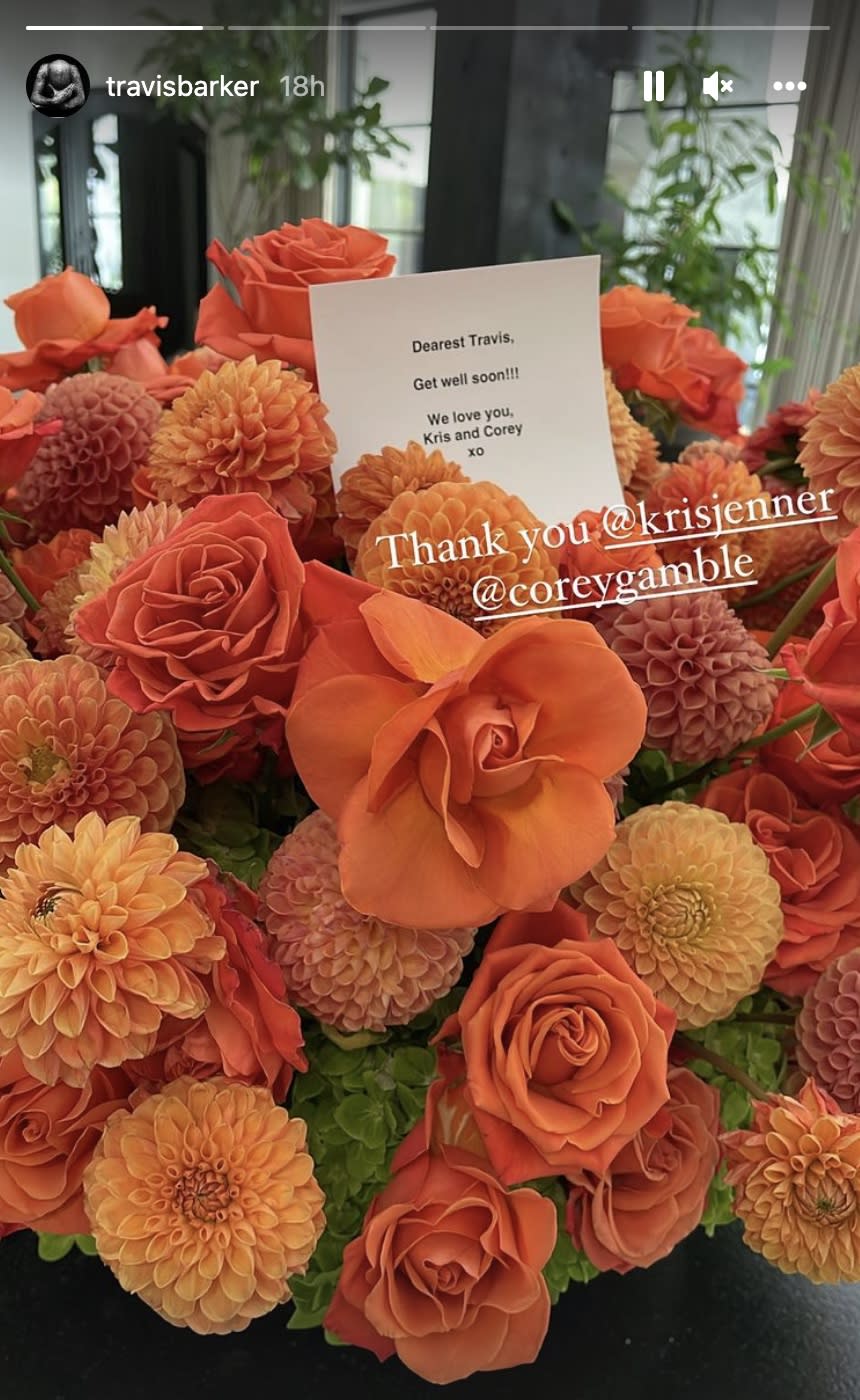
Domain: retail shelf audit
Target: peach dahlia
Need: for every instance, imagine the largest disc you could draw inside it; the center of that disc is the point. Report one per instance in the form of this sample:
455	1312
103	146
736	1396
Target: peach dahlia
67	747
352	971
203	1202
98	942
796	1174
687	897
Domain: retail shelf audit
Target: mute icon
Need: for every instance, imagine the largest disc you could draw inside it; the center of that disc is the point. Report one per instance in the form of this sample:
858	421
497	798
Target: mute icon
713	85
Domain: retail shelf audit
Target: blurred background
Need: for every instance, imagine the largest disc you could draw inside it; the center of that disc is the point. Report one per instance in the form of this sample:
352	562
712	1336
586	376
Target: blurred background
469	132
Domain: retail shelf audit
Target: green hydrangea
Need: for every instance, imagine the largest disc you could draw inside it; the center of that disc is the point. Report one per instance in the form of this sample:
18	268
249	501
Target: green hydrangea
566	1265
237	826
759	1049
358	1104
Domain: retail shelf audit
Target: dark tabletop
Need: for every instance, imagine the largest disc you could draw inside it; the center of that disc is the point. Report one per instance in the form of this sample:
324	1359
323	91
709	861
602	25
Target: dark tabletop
712	1322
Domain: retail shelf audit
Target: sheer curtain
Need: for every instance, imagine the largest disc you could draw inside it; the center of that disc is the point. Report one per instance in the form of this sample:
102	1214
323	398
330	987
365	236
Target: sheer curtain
818	280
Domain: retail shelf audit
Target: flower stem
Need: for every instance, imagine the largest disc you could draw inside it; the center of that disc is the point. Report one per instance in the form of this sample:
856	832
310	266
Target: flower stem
804	604
6	567
807	716
777	588
719	1062
705	770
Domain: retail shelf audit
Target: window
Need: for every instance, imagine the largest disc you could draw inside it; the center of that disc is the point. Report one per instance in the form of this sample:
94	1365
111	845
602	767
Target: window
392	201
759	58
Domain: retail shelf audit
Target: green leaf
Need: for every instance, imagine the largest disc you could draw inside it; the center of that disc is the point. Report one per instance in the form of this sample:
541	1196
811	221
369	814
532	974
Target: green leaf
54	1247
718	1207
563	214
824	726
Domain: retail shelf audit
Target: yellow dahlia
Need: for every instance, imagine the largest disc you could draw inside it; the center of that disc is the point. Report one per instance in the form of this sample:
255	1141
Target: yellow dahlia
690	903
350	970
248	426
796	1174
132	535
455	511
368	488
99	941
67	747
12	646
203	1202
830	451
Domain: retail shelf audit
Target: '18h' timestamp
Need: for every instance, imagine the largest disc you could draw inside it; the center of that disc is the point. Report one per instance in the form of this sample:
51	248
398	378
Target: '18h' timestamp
302	85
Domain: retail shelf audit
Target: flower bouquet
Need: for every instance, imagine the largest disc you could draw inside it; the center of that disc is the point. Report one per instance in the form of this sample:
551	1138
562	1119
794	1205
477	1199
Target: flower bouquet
363	951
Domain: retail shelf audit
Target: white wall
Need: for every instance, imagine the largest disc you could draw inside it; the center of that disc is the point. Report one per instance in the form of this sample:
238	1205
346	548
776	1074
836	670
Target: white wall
101	54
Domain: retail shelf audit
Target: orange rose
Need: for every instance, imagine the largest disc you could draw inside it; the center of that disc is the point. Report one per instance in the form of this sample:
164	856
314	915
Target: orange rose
47	1136
469	776
592	558
204	625
144	362
640	332
249	1031
271	275
447	1271
722	373
63	321
566	1049
814	857
649	347
827	775
42	566
831	667
653	1193
20	434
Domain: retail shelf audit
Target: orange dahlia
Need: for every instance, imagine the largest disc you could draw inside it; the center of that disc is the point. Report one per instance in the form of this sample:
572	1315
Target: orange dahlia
120	544
830	451
81	475
368	488
67	747
350	970
98	942
796	1174
687	897
458	512
635	446
245	427
707	481
203	1202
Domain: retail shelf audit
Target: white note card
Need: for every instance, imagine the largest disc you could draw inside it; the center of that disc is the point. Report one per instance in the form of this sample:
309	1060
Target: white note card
497	367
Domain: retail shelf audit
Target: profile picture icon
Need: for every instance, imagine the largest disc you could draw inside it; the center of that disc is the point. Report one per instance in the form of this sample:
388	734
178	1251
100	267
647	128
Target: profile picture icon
58	85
